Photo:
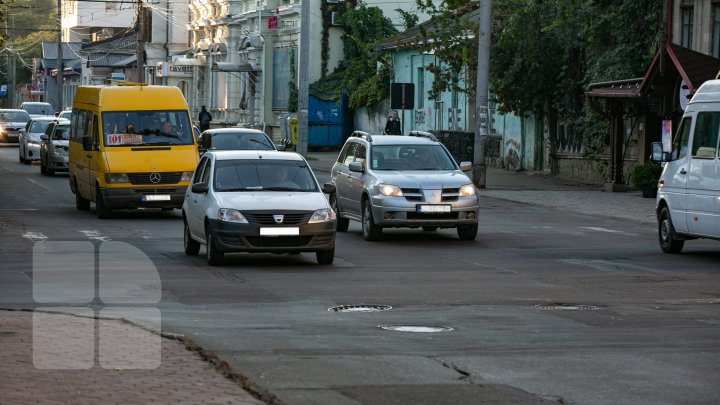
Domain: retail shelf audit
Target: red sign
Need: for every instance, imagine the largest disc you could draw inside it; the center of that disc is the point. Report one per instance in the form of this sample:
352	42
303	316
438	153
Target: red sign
272	22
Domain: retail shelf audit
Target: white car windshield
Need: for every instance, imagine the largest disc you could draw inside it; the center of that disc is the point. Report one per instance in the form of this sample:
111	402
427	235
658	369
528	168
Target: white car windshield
410	157
263	175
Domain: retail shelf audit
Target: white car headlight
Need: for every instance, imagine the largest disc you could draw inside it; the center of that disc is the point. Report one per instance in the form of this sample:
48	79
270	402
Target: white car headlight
60	152
231	215
322	215
468	190
186	176
389	190
117	178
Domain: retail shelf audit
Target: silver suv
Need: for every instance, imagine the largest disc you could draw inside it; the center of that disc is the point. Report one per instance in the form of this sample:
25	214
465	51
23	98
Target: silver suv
54	147
389	181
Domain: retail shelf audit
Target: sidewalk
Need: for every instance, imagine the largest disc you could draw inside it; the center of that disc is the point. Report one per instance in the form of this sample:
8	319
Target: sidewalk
547	191
182	377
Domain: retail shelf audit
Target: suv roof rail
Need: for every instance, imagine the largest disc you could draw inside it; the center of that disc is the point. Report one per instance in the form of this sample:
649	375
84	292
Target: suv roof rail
423	134
362	134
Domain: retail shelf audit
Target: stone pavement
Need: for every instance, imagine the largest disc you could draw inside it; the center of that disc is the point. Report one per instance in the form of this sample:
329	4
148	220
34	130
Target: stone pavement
547	191
181	377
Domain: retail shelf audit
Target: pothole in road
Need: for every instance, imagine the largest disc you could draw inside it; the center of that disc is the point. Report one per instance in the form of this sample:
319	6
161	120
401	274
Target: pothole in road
360	308
416	328
569	307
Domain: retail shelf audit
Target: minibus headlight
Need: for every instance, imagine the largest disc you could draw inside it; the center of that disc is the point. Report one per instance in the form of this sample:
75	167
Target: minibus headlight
186	176
231	215
116	178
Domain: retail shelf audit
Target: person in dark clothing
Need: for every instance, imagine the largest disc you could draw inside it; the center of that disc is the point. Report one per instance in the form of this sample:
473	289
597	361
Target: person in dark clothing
204	119
392	127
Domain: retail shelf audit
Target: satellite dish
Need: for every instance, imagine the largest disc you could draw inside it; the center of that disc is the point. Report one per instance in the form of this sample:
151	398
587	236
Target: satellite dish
683	95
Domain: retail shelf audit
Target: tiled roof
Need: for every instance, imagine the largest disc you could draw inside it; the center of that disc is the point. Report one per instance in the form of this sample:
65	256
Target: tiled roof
111	59
413	36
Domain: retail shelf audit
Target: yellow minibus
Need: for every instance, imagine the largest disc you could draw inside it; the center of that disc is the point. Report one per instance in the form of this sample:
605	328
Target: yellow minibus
131	146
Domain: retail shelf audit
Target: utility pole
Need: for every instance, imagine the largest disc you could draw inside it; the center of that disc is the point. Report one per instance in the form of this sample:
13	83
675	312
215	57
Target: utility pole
303	88
482	115
59	75
12	91
141	42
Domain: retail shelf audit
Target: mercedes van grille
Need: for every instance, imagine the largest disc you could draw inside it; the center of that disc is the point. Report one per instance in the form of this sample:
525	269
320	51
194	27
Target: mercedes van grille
147	178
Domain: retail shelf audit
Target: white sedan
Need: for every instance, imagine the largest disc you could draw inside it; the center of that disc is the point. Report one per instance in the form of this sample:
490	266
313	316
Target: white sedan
29	139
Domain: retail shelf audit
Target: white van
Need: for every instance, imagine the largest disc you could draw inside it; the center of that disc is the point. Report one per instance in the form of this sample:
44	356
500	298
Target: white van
688	200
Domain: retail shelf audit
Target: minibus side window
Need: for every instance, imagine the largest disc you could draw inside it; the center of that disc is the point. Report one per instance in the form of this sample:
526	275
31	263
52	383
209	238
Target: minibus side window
705	141
94	138
74	120
86	128
680	146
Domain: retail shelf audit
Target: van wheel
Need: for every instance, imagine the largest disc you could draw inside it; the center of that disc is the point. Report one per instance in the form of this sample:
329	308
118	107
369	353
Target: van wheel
342	223
370	231
467	232
215	257
80	203
325	256
669	242
192	247
102	211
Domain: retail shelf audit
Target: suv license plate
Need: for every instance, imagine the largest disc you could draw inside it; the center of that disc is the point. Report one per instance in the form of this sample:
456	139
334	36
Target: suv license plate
156	197
433	209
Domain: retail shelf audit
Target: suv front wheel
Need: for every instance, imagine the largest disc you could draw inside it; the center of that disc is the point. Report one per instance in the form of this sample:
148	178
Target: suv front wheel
467	232
370	231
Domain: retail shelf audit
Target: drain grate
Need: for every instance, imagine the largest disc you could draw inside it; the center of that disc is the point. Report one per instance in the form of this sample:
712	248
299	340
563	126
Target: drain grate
360	308
416	328
569	307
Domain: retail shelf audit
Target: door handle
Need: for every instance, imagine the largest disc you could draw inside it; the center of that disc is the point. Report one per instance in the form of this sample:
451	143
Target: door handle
682	171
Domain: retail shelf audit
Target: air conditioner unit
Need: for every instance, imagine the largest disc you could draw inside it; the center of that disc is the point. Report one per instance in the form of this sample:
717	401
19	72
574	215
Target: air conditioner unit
334	18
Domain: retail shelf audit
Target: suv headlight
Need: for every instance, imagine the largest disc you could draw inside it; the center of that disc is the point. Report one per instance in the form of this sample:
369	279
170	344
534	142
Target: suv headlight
231	215
468	190
60	151
117	178
389	190
323	215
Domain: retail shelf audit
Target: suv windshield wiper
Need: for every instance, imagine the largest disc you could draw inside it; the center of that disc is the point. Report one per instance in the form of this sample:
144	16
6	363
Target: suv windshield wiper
279	188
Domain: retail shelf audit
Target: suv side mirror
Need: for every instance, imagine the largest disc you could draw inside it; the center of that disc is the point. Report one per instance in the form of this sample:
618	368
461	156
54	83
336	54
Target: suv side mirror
465	166
328	188
44	137
356	167
199	188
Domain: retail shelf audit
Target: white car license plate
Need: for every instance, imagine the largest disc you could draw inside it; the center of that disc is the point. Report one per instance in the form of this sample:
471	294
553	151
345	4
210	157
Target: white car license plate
156	197
433	209
280	231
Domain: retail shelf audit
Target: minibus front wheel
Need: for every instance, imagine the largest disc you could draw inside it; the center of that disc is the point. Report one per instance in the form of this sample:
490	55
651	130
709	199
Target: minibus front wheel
102	211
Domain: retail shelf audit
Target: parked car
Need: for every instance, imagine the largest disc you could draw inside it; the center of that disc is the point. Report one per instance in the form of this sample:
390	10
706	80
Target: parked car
257	201
38	109
54	147
389	181
11	121
235	139
29	139
688	198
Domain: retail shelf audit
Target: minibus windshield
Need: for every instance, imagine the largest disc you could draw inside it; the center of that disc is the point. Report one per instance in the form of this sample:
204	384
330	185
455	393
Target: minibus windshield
133	128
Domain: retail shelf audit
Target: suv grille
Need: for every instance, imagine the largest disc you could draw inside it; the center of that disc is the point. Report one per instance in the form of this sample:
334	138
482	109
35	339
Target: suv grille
165	178
415	194
450	194
268	219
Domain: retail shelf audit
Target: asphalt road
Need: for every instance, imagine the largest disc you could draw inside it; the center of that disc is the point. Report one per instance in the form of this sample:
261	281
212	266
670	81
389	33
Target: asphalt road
545	306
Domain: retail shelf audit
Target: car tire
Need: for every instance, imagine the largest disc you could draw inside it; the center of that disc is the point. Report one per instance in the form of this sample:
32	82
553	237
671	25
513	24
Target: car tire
429	228
43	168
101	210
192	247
81	204
325	257
215	257
342	223
370	231
467	232
669	242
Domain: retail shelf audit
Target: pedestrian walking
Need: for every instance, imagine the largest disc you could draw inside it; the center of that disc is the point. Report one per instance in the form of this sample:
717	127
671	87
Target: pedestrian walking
204	118
392	127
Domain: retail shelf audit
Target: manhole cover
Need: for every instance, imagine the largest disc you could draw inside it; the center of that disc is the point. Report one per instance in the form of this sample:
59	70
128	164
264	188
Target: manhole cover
416	328
360	308
569	307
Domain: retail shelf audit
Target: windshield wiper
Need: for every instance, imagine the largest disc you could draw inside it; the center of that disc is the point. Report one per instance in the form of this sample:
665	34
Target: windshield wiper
279	188
270	147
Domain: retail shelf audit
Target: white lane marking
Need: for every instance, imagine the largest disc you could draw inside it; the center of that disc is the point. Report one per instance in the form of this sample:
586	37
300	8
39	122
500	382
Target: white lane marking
33	181
35	236
593	228
92	234
18	209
